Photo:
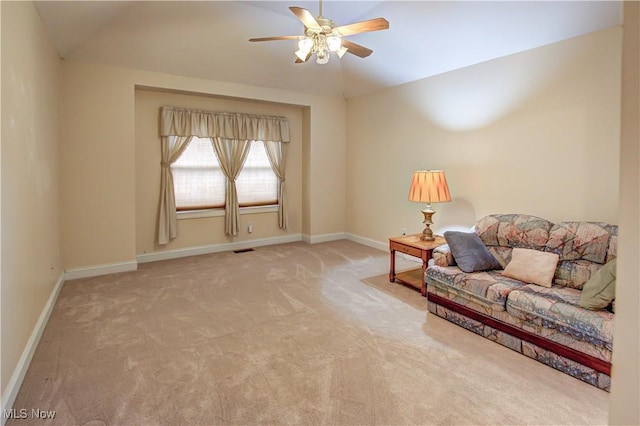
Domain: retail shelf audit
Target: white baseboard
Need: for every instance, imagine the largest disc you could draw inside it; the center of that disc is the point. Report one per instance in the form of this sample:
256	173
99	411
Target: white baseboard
315	239
97	270
367	242
15	382
215	248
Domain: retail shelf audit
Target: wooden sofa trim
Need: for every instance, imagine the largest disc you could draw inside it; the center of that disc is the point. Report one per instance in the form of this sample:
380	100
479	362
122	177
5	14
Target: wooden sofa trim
564	351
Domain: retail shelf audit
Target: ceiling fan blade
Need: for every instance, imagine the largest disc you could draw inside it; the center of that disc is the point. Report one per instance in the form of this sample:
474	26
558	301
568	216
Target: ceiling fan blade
300	61
376	24
356	49
306	18
275	38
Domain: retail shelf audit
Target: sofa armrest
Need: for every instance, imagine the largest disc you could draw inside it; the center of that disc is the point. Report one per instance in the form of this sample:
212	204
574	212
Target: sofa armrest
442	256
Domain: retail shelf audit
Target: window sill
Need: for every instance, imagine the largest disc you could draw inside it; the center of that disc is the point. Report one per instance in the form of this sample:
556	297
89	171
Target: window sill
197	214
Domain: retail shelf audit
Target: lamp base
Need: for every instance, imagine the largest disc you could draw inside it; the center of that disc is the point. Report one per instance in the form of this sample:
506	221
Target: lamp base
427	233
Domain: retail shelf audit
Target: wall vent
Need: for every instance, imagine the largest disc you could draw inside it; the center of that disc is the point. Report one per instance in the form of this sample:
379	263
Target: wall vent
243	250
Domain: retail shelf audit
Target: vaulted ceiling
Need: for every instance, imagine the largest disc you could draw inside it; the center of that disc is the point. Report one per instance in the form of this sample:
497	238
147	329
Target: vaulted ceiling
209	39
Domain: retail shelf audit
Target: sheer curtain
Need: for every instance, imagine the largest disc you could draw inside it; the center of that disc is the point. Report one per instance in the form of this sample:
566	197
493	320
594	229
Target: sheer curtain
172	147
277	157
234	132
231	154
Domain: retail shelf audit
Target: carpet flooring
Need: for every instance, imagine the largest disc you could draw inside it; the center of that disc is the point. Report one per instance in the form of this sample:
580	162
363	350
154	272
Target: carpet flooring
286	334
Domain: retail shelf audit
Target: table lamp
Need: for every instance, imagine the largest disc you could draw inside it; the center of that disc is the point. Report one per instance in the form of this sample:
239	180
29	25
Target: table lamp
429	186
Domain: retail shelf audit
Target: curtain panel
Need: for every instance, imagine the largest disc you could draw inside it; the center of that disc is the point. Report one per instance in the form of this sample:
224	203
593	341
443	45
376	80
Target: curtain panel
276	152
231	154
231	134
172	147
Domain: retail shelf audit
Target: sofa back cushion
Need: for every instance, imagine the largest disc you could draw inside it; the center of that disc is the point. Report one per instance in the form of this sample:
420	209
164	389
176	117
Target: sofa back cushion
503	232
583	248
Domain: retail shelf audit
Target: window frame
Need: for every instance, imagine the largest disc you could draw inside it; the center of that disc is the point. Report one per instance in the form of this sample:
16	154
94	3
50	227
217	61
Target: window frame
197	214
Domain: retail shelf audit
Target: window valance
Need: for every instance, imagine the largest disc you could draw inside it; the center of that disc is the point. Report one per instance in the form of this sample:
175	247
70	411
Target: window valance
226	125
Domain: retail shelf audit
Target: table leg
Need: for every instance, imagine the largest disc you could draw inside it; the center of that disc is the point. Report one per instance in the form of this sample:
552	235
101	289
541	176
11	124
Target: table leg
392	266
426	255
423	286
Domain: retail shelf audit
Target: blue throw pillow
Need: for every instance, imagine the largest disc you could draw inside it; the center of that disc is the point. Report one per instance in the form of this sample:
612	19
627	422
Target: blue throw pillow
469	252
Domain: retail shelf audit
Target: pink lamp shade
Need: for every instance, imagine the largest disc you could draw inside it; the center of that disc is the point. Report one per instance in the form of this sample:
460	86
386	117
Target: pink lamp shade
429	186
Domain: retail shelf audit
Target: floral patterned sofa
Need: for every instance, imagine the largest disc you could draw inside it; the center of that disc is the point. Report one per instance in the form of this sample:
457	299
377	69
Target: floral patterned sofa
546	324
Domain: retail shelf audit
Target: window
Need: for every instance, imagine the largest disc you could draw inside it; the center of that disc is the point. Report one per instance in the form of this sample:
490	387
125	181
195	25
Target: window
257	184
199	182
197	178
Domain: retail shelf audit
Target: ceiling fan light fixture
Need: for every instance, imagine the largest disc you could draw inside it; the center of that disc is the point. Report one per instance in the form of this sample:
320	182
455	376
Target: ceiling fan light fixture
305	44
322	57
322	36
334	43
302	54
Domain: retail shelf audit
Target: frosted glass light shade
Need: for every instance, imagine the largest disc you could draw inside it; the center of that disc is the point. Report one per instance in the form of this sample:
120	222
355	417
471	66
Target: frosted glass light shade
322	57
305	44
334	43
302	54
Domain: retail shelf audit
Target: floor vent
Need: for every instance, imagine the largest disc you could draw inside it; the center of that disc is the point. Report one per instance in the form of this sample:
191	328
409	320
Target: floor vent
243	250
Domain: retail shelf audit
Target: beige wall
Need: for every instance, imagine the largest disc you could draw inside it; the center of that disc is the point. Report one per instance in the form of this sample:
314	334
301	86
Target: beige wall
210	230
97	166
31	75
99	173
327	169
536	133
625	381
306	174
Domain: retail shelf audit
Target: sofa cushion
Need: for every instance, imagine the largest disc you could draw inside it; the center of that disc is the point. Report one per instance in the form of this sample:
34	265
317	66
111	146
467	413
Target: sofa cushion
583	247
469	252
581	240
557	307
488	287
574	273
612	253
502	254
532	266
442	256
514	230
600	290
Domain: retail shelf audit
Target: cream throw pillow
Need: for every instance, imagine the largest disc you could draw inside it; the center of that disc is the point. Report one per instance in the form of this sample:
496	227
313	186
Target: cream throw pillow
532	266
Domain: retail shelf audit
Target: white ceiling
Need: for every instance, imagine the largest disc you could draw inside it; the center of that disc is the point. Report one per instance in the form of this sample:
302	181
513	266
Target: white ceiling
209	39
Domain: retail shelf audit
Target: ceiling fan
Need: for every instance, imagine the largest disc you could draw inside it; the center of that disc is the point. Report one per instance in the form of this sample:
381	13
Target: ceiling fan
321	36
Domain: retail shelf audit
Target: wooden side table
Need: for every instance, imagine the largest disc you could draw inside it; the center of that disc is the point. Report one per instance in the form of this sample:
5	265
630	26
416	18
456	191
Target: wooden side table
413	246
